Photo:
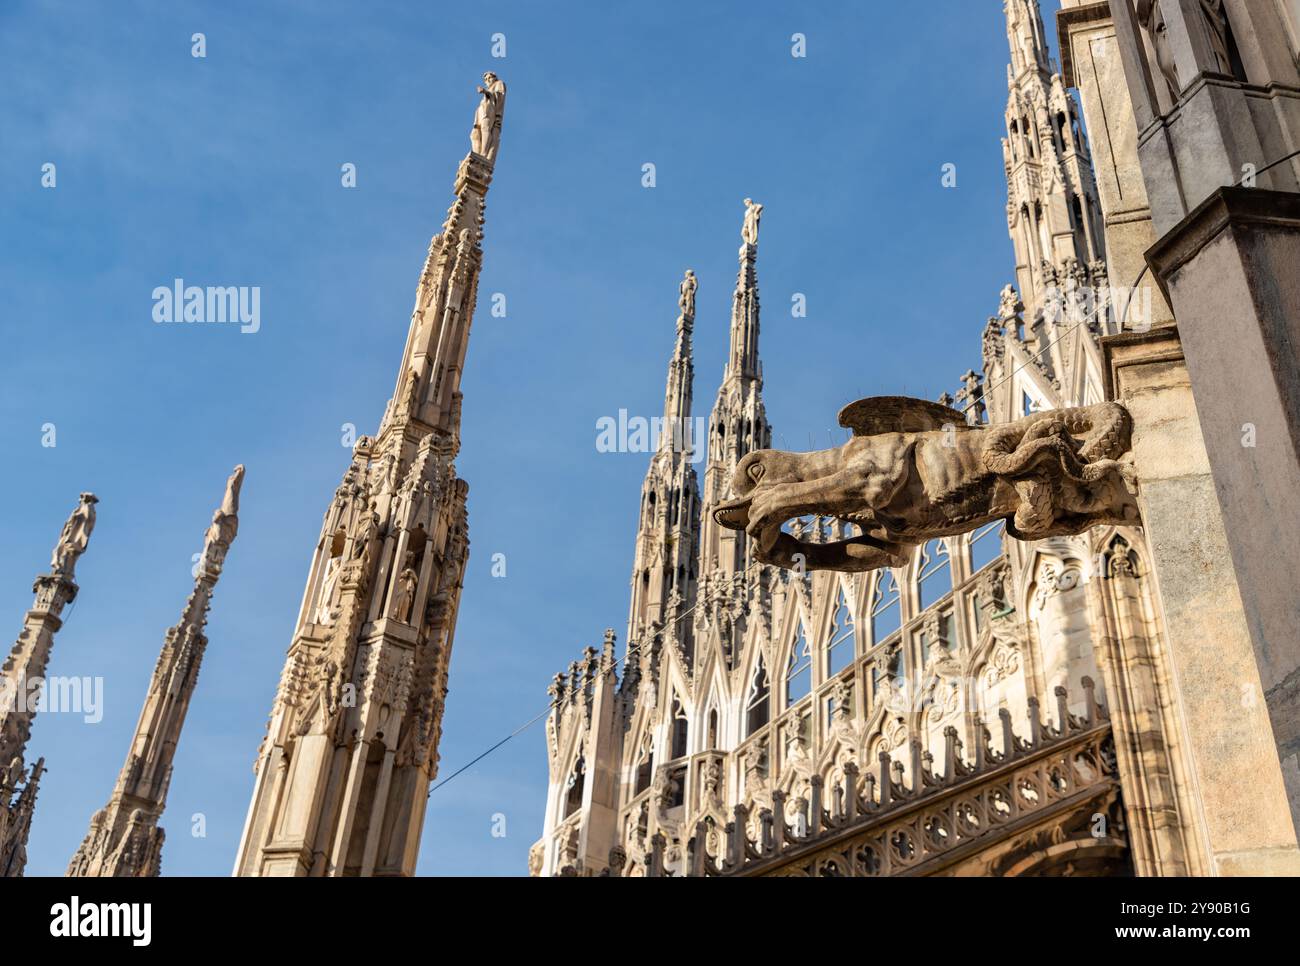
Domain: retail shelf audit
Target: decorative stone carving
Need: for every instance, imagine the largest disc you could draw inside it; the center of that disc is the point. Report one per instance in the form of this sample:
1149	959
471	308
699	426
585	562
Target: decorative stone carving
1003	662
404	596
749	229
1009	305
686	296
1154	16
486	135
75	536
916	470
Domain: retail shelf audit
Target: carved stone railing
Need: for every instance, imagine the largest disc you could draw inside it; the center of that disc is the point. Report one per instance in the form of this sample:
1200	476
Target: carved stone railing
884	828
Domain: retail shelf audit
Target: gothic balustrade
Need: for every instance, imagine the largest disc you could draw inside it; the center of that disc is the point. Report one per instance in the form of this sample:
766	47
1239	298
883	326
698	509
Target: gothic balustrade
880	826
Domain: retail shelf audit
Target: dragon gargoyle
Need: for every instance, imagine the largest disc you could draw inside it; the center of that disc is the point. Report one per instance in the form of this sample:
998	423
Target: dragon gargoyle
915	470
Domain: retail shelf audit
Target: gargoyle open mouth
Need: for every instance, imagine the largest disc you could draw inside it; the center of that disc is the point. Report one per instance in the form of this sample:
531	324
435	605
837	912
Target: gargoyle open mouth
773	545
733	514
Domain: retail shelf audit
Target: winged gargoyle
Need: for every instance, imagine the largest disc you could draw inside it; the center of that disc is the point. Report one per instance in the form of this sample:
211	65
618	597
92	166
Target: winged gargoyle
915	470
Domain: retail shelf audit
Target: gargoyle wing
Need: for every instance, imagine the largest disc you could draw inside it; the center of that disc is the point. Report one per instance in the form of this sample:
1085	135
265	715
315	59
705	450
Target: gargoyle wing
898	414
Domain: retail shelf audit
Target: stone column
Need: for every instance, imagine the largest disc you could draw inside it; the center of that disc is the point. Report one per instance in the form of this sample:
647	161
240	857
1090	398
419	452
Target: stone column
1243	818
1230	271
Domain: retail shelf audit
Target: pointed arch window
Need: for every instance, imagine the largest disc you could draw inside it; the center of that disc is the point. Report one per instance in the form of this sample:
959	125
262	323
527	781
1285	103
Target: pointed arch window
839	646
798	672
757	710
645	769
934	577
681	729
577	778
713	728
885	618
986	545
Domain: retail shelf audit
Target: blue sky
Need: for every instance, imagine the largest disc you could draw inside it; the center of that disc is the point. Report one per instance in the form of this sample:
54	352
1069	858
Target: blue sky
226	171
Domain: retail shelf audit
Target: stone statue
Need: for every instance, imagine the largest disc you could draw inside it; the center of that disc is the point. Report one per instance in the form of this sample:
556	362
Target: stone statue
915	470
686	297
75	536
404	597
1009	304
486	135
225	521
325	609
1216	22
1153	16
749	229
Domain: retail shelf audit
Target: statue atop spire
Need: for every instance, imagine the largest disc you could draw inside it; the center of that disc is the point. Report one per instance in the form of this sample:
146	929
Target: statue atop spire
225	523
486	135
749	229
75	536
686	301
21	678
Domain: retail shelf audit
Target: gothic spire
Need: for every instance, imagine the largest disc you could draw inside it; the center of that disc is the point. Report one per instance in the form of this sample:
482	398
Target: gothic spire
124	838
21	676
738	423
743	358
1053	215
681	368
1026	38
428	395
663	568
366	674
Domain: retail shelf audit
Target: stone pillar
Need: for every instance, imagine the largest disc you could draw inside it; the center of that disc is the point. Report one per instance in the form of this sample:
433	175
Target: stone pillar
603	759
1230	271
1243	818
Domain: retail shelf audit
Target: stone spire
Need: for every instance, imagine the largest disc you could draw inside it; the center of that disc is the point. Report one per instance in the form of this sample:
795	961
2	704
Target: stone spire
681	368
738	423
343	775
742	361
668	535
1053	215
124	839
18	794
21	677
427	396
1027	39
1048	321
